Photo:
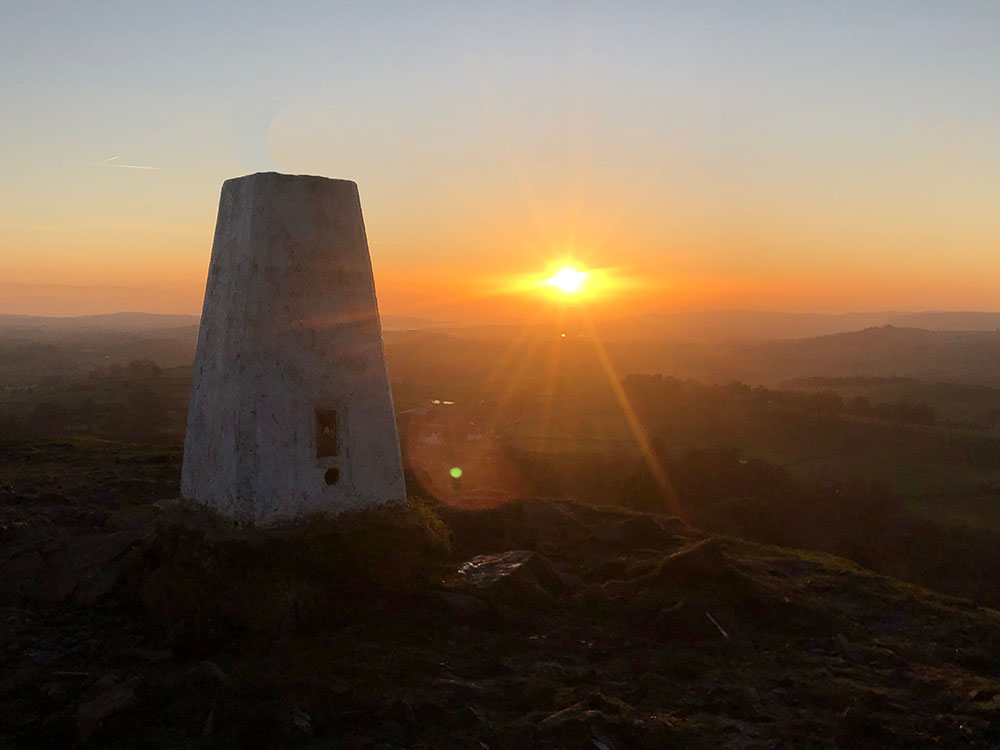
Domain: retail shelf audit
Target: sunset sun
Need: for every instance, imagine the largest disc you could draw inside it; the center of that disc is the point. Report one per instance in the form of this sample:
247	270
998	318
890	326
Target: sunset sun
567	280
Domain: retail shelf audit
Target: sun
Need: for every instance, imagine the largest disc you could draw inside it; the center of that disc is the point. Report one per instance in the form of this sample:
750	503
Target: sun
567	280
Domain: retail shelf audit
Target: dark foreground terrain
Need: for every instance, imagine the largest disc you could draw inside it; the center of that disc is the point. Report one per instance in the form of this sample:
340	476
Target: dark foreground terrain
127	621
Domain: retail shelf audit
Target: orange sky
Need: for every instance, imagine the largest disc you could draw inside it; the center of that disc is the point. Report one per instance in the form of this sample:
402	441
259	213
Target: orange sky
793	159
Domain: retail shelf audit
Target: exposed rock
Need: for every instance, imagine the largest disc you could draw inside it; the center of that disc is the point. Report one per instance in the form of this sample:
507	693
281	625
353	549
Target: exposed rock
511	575
699	562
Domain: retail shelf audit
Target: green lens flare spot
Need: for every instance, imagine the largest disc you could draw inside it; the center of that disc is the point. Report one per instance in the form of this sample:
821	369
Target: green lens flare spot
456	473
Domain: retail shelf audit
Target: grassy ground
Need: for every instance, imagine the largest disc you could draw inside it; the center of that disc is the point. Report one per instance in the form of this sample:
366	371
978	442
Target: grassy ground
605	629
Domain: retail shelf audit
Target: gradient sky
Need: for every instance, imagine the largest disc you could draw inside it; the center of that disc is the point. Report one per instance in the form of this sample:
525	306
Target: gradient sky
772	155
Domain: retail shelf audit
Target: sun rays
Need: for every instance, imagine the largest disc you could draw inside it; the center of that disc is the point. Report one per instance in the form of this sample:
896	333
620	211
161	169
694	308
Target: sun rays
520	405
569	233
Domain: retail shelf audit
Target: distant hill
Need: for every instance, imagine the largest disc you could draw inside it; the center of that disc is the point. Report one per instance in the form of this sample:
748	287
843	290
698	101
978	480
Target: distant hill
711	347
753	325
962	357
123	321
36	350
713	326
970	357
948	321
702	326
139	321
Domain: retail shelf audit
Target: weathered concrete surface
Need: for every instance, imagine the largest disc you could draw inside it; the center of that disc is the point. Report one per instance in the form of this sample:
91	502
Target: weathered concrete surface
291	413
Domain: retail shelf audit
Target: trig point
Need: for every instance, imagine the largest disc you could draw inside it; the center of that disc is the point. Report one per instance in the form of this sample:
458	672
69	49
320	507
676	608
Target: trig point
290	414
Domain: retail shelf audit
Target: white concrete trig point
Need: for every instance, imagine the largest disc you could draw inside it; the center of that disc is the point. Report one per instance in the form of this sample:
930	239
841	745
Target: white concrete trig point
291	413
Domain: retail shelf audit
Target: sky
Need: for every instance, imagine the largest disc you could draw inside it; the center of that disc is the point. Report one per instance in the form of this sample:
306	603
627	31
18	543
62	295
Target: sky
797	156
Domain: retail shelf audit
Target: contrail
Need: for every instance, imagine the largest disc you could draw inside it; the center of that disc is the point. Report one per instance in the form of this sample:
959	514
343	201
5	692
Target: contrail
125	166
